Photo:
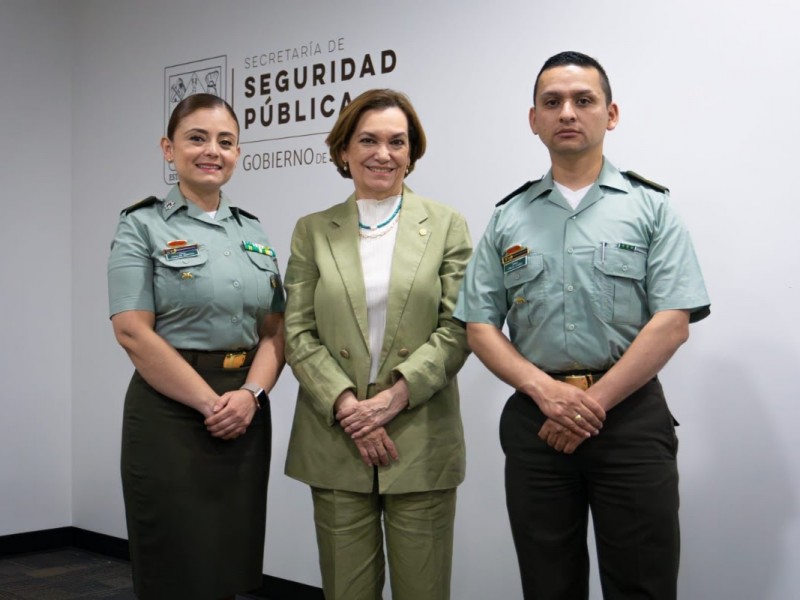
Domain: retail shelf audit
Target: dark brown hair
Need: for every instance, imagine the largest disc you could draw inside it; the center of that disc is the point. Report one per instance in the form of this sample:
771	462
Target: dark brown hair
194	103
342	131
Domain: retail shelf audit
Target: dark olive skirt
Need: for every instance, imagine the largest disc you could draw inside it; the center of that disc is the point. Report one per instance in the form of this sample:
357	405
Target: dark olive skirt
195	505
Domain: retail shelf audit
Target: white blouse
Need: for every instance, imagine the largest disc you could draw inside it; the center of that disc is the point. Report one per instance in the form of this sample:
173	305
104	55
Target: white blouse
380	218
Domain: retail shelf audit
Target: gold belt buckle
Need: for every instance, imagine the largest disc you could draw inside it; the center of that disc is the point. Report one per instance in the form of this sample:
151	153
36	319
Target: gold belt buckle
234	360
582	382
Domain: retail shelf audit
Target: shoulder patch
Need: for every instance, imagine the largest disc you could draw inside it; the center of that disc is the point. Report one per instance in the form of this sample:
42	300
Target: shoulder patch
647	182
517	191
149	201
238	211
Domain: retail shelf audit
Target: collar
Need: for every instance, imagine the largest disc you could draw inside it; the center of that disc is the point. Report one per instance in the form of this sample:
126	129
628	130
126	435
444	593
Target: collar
609	177
175	201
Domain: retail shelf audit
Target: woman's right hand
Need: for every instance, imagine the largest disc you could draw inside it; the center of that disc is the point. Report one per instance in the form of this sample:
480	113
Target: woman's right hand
231	415
377	448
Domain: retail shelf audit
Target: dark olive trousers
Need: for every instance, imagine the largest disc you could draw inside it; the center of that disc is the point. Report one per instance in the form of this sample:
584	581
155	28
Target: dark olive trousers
627	476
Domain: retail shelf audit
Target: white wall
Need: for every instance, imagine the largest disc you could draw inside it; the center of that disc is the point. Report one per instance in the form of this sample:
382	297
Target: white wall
706	94
35	266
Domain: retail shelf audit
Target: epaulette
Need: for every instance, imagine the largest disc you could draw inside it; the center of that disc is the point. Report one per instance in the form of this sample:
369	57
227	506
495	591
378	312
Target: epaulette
149	201
241	211
647	182
518	191
238	211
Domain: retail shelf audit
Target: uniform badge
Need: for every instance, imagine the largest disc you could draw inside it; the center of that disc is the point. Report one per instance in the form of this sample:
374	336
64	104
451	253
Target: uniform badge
515	257
177	249
258	248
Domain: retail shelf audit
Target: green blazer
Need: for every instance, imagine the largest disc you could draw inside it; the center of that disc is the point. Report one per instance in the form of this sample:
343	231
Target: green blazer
327	347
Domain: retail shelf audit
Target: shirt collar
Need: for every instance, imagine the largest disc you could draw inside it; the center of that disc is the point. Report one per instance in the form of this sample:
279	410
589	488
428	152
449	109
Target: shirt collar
609	177
175	202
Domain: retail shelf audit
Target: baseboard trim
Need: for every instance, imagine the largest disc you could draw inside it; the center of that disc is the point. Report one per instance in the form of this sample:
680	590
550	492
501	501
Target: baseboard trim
35	541
275	587
64	537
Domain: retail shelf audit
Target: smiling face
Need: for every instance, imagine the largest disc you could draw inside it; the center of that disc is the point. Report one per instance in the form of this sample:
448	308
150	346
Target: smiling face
204	149
571	114
378	153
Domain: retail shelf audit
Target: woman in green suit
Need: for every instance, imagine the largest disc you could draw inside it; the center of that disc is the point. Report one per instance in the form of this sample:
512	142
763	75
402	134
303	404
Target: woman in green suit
370	336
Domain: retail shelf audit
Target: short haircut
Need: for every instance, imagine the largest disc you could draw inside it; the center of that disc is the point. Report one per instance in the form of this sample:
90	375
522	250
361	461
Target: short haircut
194	103
570	57
378	99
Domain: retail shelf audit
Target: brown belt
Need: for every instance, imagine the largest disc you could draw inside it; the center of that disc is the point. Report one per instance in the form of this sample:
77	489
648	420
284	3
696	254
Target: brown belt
583	380
203	359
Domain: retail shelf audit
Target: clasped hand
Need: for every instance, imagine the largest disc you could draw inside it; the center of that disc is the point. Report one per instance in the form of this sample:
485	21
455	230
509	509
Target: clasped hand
363	421
573	416
231	415
360	418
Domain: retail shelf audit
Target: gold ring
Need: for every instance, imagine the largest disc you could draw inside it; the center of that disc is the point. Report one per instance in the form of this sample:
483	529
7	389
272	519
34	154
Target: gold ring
578	418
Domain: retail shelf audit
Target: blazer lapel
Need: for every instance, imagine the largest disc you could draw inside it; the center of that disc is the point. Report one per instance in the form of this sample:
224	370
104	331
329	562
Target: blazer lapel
412	240
344	243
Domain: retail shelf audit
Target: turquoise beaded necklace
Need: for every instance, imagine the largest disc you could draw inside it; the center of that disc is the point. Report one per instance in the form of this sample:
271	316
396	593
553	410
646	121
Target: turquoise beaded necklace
386	222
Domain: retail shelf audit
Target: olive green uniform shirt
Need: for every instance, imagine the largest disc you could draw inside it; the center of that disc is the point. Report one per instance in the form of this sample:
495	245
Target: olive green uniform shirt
213	297
577	286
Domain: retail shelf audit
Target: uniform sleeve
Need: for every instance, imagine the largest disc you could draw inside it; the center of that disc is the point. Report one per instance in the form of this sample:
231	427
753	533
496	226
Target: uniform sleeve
482	298
674	278
433	364
312	364
130	269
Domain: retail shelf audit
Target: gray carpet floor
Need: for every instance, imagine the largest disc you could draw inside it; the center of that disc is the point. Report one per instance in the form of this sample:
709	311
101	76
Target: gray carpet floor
63	575
66	574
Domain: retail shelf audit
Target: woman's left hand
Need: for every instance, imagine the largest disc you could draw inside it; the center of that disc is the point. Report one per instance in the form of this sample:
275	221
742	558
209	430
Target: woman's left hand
232	415
360	419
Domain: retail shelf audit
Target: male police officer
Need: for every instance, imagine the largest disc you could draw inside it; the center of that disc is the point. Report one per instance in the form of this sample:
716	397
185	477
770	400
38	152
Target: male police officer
598	281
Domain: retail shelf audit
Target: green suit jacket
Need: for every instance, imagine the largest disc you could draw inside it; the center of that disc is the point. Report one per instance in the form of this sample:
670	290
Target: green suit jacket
327	347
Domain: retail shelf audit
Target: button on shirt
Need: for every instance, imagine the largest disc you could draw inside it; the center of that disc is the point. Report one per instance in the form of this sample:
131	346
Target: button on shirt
214	298
578	285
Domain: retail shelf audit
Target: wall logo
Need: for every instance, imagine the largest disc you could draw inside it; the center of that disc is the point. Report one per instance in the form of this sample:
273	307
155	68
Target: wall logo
208	75
287	99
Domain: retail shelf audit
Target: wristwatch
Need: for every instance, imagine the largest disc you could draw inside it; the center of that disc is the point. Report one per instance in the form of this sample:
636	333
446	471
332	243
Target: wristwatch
258	393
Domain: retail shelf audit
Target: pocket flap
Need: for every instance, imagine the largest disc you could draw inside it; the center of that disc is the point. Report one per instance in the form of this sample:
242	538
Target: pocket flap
263	261
621	263
517	277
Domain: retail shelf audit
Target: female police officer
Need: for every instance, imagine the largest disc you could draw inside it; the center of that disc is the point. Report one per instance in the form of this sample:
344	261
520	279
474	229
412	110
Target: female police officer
196	302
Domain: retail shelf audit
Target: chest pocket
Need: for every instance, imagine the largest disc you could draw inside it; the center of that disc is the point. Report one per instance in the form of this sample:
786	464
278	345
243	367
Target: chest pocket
620	295
524	291
268	281
182	282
